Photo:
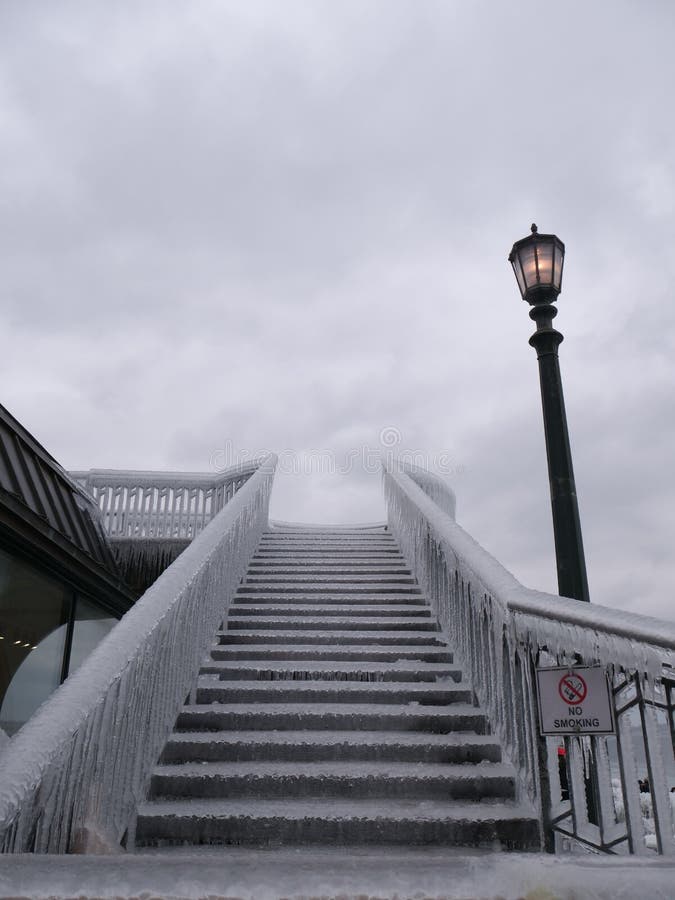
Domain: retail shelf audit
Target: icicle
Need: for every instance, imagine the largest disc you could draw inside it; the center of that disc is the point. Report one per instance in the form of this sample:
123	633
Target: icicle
494	621
88	751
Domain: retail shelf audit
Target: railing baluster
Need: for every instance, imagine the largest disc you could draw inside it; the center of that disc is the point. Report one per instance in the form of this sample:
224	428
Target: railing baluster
658	786
609	829
161	506
630	785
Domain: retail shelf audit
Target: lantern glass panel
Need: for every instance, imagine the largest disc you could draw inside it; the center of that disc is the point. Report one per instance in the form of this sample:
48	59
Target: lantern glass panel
557	268
528	261
545	258
515	262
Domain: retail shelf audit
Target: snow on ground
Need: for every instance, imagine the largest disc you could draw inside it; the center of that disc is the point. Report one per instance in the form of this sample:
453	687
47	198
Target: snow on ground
646	809
340	873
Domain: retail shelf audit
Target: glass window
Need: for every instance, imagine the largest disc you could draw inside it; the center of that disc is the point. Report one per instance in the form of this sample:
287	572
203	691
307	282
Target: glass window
34	613
91	626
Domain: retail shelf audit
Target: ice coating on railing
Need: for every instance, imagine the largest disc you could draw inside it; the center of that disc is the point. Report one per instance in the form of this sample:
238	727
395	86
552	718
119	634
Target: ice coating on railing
502	630
154	553
556	614
433	486
170	505
82	761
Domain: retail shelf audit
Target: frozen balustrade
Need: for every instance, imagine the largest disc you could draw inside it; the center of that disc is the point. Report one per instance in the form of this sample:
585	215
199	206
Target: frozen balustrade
587	789
171	505
151	517
81	764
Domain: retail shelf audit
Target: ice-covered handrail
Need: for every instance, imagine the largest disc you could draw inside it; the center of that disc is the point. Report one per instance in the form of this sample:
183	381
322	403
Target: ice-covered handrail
433	485
517	598
170	505
82	761
502	629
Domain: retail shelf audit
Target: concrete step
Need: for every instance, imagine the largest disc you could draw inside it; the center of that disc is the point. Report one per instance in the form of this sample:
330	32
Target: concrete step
334	780
343	551
354	822
343	623
268	670
338	530
332	746
302	598
341	871
327	537
329	586
213	690
334	540
329	546
313	578
315	652
320	637
342	716
317	608
351	562
328	533
327	567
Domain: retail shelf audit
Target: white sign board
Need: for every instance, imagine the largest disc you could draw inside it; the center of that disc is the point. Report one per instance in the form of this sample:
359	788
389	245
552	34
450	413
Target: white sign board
574	701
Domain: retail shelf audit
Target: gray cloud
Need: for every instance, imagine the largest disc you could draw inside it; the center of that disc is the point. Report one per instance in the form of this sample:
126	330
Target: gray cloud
285	226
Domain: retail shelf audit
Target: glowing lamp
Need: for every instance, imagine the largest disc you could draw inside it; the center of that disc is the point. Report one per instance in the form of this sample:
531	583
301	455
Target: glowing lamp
537	262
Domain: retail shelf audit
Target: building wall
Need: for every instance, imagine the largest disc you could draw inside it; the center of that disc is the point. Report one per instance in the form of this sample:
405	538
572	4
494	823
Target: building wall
47	628
61	590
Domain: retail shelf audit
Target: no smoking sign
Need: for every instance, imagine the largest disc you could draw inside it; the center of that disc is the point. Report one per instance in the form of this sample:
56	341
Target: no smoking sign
574	701
572	688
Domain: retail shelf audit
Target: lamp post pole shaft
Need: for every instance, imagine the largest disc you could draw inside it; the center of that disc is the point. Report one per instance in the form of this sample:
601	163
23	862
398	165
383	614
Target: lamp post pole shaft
569	547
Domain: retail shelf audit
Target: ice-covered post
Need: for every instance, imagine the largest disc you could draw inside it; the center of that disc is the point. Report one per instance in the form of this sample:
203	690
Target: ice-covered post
537	262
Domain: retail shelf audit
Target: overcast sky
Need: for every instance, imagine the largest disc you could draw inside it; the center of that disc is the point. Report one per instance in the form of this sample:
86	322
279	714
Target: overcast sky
235	226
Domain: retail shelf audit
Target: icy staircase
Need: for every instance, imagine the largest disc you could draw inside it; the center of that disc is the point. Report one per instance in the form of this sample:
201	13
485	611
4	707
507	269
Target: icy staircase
330	712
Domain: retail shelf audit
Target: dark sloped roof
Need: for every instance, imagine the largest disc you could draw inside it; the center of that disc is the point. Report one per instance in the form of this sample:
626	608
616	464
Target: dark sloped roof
43	507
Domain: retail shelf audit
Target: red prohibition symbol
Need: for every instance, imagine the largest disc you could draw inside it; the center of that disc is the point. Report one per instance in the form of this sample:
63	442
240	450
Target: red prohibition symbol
572	688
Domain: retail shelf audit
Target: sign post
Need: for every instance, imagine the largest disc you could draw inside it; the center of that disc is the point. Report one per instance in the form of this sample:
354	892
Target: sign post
574	700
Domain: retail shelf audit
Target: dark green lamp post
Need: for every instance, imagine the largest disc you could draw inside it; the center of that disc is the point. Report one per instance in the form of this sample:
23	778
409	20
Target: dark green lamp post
537	262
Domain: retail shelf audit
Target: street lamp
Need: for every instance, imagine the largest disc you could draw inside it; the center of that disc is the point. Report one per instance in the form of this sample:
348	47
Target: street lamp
537	262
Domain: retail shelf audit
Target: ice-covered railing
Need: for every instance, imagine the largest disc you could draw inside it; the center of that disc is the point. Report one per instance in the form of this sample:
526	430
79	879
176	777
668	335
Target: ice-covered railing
171	505
432	485
81	764
610	794
151	517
